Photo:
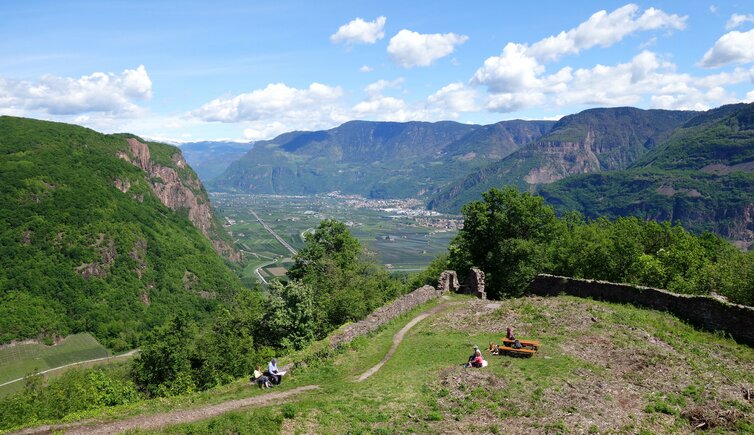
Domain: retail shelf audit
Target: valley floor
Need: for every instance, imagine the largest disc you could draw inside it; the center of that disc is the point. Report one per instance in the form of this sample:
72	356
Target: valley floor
601	368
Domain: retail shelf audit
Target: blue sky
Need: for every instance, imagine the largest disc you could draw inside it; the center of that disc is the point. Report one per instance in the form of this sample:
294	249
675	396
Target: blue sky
250	70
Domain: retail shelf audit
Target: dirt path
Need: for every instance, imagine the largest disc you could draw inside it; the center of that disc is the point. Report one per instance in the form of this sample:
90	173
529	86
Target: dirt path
147	422
398	337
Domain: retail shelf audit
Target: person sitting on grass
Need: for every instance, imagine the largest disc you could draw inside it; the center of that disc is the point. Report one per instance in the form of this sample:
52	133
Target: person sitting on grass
272	371
260	379
478	361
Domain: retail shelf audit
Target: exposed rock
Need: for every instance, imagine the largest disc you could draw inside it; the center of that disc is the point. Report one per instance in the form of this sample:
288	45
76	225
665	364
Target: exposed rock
179	193
89	270
139	253
144	298
189	280
26	238
122	185
108	254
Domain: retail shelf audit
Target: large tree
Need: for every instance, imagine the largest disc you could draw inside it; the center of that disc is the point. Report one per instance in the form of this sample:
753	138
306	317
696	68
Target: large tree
507	236
346	286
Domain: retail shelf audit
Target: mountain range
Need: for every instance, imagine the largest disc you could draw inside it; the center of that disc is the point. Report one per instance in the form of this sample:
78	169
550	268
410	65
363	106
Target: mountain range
689	167
375	159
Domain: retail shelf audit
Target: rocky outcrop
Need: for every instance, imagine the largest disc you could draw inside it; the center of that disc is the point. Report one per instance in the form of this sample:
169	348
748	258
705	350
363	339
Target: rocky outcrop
179	193
100	269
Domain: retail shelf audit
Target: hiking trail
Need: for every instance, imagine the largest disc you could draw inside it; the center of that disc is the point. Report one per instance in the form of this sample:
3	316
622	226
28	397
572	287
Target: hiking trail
398	337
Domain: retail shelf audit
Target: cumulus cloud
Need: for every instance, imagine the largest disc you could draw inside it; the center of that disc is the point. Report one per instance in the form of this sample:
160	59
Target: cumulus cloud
409	49
359	31
98	92
733	47
366	69
518	79
604	29
377	87
520	65
277	100
736	20
453	99
277	108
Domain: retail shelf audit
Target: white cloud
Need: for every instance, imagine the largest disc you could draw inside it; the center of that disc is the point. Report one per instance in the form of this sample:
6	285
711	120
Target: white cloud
97	92
453	99
604	29
366	69
521	65
736	20
733	47
377	87
359	31
512	70
518	79
409	49
277	100
277	108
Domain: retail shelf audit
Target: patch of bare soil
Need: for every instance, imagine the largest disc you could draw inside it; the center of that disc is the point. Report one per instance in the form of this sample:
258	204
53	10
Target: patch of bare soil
620	371
472	317
711	415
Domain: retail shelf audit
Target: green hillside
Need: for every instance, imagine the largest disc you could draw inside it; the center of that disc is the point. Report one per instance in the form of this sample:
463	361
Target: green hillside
702	177
374	159
594	140
86	243
601	368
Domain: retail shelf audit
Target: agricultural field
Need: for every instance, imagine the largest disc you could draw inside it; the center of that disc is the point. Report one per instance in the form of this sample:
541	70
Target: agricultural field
399	234
22	359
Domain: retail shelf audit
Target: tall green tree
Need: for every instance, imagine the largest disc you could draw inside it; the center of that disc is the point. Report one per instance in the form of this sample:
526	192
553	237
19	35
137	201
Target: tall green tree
346	284
507	235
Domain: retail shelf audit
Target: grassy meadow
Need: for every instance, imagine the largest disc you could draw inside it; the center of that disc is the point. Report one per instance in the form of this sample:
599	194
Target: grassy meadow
602	368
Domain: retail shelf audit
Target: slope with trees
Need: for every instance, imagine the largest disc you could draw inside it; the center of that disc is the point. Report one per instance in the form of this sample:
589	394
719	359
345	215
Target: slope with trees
87	243
375	159
594	140
702	177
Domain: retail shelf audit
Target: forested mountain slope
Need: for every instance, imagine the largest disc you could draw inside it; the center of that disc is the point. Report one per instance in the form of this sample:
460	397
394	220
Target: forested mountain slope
590	141
375	159
702	177
102	233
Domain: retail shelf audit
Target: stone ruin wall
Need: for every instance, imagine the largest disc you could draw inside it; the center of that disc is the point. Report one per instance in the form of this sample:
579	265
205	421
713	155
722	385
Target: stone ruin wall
448	282
701	311
385	314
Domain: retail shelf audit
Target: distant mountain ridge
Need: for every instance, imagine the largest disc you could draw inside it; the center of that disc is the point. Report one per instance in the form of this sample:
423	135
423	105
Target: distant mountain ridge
590	141
375	159
210	158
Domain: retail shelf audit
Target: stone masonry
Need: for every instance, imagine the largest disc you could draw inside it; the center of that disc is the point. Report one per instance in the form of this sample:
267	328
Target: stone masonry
701	311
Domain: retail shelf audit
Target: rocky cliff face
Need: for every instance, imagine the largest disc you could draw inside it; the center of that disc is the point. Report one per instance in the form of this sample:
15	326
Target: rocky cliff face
180	193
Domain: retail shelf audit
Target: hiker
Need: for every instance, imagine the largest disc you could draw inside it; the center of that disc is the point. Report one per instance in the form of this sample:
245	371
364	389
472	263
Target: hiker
260	379
509	334
272	371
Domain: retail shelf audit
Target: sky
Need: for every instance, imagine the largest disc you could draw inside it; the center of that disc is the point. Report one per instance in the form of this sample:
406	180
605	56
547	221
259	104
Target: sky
250	70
